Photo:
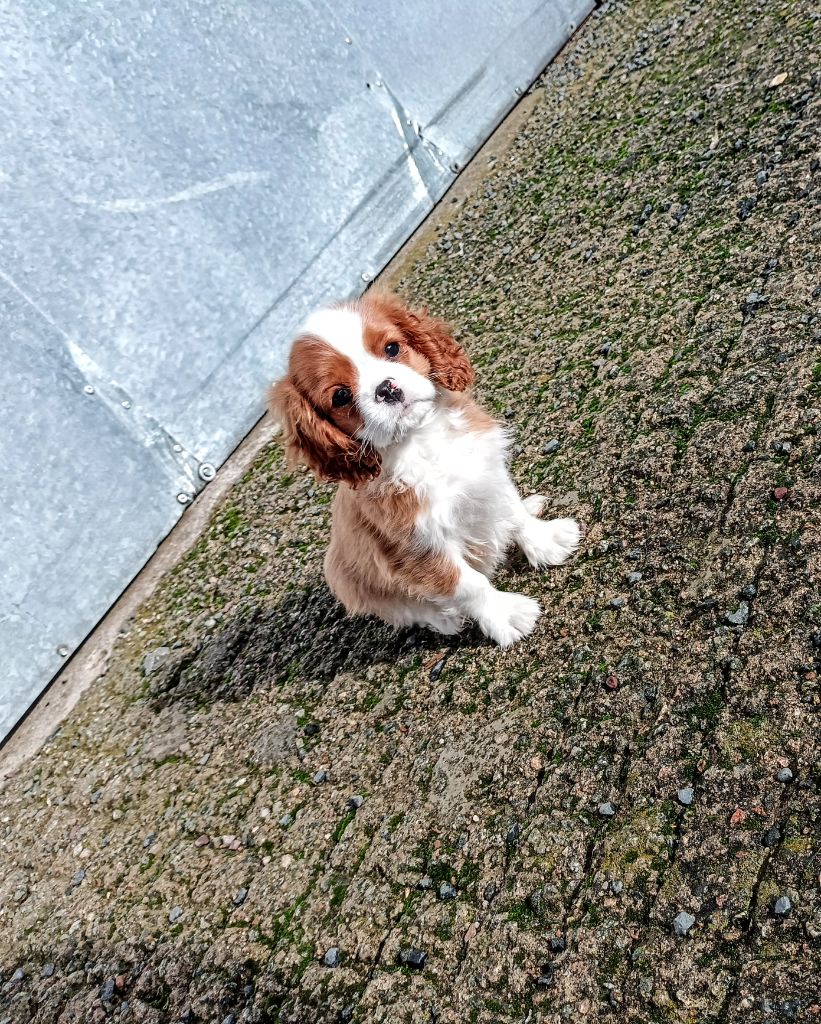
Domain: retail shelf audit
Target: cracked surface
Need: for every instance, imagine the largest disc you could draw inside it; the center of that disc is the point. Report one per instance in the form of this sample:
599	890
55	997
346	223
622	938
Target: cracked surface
637	277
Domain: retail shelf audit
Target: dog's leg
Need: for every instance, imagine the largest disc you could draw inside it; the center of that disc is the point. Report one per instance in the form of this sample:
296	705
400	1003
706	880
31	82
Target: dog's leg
544	542
503	617
427	614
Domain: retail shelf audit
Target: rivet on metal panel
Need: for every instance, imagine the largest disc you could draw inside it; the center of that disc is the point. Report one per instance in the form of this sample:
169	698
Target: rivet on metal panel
89	389
518	91
206	471
366	275
126	404
178	448
455	166
62	650
183	498
348	40
378	83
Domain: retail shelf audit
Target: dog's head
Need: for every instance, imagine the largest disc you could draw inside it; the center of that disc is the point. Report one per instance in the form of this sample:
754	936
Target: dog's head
361	376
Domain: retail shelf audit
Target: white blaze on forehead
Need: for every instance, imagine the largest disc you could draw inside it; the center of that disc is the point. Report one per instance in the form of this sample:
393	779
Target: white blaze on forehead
342	330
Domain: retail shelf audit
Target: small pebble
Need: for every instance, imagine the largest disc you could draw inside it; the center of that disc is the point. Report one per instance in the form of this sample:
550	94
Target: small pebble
446	892
682	923
611	682
633	578
634	555
331	958
47	971
107	991
239	899
149	839
412	958
355	802
202	840
175	915
436	671
545	979
771	837
616	602
740	616
286	820
18	976
489	892
685	796
320	777
784	775
748	593
750	446
552	447
607	810
557	944
425	883
311	729
780	493
616	886
155	658
782	906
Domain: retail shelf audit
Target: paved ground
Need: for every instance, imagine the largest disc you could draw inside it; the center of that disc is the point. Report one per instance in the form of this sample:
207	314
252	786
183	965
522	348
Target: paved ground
636	277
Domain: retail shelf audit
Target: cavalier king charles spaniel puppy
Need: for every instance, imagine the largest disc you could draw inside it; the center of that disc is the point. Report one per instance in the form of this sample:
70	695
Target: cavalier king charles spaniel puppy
375	399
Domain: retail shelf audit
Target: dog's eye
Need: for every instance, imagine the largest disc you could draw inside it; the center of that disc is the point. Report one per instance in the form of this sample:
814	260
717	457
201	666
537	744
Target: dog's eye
342	396
392	349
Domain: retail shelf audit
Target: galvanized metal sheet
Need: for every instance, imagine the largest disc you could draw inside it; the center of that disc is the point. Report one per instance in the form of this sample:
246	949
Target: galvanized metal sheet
179	185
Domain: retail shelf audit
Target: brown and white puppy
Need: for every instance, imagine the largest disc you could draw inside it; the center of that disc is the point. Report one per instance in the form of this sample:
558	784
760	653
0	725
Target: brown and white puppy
375	399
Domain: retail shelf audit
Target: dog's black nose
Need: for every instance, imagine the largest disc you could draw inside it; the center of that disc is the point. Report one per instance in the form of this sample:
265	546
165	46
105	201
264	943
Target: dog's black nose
389	391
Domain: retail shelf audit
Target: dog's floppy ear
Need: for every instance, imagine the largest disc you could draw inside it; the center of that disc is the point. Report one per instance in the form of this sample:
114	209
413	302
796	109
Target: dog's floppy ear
449	364
309	438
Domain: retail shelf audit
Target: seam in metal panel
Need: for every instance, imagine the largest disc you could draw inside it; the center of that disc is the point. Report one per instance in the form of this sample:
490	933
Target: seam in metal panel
179	467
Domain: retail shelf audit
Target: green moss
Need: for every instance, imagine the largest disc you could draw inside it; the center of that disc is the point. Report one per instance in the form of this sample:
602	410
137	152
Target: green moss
708	707
395	821
521	914
339	888
342	824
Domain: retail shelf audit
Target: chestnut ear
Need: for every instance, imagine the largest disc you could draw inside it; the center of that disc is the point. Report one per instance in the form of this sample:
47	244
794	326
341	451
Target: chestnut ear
309	438
449	363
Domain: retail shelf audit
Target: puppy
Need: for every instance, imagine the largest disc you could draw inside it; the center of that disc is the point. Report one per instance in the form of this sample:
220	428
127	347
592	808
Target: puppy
375	399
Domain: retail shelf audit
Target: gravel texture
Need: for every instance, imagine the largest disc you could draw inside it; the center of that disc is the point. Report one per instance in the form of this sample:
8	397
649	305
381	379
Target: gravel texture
636	272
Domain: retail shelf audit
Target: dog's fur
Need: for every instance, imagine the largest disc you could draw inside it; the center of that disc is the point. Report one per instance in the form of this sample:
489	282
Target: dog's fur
425	507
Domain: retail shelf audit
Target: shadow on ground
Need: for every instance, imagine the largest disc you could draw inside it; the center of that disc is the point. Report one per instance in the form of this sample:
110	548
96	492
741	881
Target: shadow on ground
305	637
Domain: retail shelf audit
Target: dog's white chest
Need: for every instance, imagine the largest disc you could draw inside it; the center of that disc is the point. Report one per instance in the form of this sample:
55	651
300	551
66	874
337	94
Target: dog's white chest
462	484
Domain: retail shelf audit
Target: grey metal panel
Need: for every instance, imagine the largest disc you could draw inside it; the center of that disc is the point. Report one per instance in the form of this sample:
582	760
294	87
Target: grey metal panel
87	493
457	65
179	184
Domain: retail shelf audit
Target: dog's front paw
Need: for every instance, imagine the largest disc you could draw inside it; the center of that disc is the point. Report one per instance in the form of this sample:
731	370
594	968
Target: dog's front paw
509	617
535	504
550	543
